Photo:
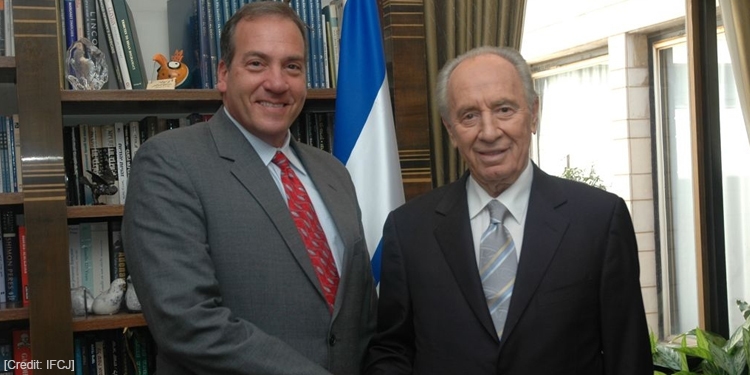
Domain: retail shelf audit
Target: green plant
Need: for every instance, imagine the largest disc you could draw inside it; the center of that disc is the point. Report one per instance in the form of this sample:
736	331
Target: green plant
707	353
589	178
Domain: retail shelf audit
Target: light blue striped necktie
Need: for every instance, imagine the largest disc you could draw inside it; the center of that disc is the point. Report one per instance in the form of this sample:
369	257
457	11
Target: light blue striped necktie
498	262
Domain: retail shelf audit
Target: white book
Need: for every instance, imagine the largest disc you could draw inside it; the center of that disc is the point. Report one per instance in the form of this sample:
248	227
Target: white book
108	153
122	176
87	267
74	248
100	257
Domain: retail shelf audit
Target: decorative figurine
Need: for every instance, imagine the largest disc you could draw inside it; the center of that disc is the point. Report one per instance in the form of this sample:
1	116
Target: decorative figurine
173	69
109	301
131	298
81	300
85	66
100	185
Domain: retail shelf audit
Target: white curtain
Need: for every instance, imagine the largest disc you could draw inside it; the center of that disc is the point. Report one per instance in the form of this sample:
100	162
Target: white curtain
735	14
735	156
575	122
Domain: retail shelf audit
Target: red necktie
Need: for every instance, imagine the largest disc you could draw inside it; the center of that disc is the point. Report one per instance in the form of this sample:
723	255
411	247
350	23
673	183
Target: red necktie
310	229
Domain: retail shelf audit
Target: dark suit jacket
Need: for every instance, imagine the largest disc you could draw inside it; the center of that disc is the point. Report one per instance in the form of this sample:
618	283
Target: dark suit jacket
225	282
576	306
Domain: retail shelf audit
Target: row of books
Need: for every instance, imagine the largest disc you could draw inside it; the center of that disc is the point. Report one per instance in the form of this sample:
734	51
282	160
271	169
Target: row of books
196	29
7	43
109	25
99	156
131	351
15	348
13	270
96	255
10	155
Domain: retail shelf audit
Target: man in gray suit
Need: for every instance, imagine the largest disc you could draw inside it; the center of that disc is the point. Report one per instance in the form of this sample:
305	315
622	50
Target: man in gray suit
224	276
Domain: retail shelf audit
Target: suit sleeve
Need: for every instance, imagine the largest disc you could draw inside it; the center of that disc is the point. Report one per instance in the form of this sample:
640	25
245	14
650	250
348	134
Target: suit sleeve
167	252
627	348
392	349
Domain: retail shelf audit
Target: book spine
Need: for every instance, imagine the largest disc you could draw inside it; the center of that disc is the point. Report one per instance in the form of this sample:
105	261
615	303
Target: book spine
122	177
87	266
113	31
90	22
12	157
79	19
23	260
117	253
85	151
11	255
100	257
212	45
22	350
108	157
130	49
74	248
17	145
69	12
106	45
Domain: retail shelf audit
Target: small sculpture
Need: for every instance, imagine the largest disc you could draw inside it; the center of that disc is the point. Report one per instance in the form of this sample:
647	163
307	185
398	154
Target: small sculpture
173	69
100	185
85	66
109	301
131	298
82	301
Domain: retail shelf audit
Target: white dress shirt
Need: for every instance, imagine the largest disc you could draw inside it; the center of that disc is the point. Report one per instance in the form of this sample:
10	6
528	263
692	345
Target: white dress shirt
515	198
266	153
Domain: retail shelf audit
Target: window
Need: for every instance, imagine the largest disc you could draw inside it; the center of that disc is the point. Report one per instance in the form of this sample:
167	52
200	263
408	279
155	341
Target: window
574	119
674	163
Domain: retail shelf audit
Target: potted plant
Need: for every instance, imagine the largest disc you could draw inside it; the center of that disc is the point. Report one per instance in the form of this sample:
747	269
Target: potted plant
701	352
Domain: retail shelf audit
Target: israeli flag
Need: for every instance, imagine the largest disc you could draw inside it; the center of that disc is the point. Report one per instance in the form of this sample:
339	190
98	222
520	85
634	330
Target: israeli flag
364	136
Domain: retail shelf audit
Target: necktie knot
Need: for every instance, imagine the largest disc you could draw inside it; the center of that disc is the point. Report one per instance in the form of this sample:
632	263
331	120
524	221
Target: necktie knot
497	211
280	160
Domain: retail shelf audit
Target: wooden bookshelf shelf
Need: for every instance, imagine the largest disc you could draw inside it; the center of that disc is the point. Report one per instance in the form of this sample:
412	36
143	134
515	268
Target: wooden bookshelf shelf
12	311
85	212
100	322
7	69
11	198
101	102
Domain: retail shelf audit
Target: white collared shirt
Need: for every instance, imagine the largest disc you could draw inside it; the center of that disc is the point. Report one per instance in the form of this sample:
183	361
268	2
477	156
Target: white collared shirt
515	198
266	153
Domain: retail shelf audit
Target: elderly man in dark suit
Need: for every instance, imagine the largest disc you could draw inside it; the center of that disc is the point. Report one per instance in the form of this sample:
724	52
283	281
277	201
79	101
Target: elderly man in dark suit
245	246
507	270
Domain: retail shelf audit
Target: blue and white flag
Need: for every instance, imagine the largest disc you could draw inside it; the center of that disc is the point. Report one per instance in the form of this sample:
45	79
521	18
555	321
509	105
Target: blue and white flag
364	136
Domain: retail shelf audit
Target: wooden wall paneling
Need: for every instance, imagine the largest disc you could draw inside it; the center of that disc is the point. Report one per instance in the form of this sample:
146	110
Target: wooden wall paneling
404	43
39	110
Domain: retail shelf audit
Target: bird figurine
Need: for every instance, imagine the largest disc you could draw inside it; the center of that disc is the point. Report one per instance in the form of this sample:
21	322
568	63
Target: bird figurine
100	185
173	68
131	299
110	300
82	301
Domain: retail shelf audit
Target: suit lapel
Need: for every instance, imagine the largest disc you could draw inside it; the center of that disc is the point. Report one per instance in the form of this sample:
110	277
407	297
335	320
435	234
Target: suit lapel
543	231
453	233
250	171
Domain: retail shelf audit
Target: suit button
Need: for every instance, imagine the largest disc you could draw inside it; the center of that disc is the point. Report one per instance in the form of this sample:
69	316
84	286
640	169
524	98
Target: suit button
332	340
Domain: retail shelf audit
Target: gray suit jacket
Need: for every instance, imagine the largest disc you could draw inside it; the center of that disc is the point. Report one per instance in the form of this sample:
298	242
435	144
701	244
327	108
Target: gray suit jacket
222	274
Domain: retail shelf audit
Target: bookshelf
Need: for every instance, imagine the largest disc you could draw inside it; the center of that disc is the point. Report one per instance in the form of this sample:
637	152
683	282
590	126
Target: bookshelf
44	108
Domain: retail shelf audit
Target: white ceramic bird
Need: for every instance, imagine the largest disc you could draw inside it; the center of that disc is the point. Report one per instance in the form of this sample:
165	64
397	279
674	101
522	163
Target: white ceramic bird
131	298
109	301
81	300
